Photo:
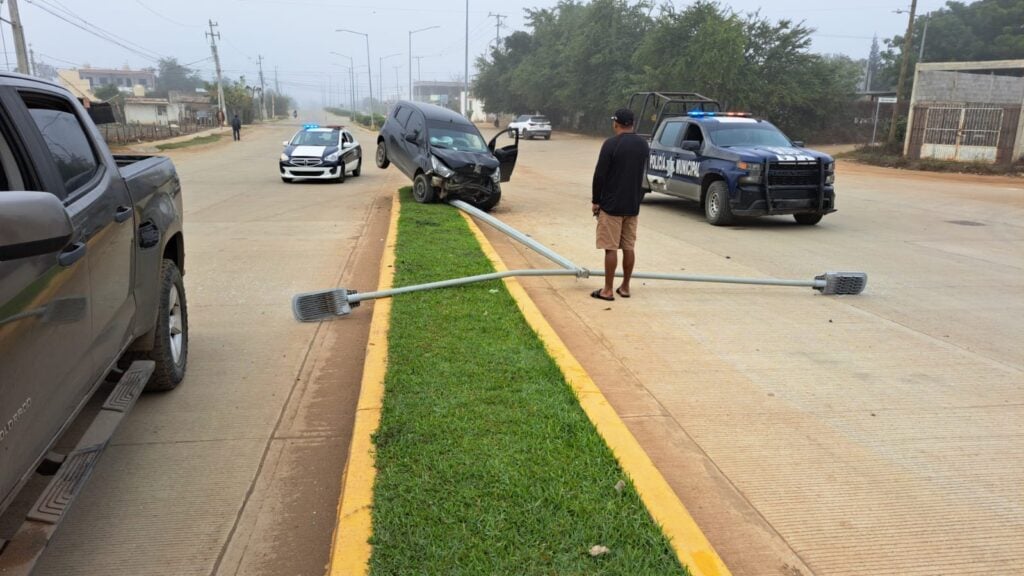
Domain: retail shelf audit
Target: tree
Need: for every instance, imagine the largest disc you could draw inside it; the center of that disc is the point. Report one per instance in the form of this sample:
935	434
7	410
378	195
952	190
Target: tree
958	32
106	92
874	65
173	76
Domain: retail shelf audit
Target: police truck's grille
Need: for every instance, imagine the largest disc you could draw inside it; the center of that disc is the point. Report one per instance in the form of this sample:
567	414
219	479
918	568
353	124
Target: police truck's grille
793	174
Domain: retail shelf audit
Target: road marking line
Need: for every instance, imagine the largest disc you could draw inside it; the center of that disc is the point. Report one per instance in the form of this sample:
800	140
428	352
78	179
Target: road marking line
351	549
691	545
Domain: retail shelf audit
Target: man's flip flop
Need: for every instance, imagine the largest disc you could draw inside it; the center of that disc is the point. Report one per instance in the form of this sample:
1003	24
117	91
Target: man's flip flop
619	292
597	294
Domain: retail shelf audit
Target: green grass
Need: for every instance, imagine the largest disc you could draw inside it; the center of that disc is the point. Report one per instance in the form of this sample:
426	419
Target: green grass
197	141
486	462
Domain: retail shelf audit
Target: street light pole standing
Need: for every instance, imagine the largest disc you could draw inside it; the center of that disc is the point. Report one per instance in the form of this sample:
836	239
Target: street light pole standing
411	32
380	76
369	73
903	73
351	77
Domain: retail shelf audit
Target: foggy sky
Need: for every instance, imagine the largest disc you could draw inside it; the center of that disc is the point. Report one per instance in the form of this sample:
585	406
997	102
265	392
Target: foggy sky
296	37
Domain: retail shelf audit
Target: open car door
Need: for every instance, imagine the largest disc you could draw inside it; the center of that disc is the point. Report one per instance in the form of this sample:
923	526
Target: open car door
507	155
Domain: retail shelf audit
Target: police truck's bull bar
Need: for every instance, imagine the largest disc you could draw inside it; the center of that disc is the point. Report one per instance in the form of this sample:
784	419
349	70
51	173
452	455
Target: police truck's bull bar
323	304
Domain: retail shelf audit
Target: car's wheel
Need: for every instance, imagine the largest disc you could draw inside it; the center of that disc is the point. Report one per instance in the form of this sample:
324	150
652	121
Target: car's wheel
547	137
359	167
486	203
422	191
807	219
716	204
341	173
382	156
286	180
170	347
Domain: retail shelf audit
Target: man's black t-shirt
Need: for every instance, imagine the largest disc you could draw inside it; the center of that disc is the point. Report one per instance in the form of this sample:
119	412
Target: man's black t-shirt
619	174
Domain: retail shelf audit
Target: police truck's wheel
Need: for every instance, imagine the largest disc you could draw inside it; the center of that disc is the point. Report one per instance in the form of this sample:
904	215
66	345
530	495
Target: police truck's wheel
382	156
422	191
359	168
807	219
716	204
170	347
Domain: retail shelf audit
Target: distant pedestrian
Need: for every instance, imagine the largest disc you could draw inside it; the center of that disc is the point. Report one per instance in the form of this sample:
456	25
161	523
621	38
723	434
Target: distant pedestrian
615	201
236	127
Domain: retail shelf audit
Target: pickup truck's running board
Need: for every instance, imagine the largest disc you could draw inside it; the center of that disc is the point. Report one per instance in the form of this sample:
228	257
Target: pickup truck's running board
20	555
323	304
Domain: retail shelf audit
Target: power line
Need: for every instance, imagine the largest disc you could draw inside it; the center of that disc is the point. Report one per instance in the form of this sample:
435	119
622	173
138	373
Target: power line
98	32
161	16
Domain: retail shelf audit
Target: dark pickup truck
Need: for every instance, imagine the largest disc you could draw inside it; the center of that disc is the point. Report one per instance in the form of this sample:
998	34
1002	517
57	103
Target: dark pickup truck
91	295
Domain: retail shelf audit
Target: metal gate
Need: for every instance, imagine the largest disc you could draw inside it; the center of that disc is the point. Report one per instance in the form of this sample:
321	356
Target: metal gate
967	134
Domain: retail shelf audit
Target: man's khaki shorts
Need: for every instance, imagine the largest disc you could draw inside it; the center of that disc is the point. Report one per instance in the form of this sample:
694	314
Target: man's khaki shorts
615	232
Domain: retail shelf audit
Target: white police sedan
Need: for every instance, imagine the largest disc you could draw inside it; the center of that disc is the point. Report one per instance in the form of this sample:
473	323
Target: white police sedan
321	153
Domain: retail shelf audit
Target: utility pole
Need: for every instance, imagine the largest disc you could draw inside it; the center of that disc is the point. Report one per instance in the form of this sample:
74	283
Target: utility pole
277	82
214	36
19	38
263	90
497	28
907	41
32	61
465	79
419	61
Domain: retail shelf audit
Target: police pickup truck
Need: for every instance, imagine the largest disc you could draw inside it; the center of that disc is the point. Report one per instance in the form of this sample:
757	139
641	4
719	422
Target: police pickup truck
735	165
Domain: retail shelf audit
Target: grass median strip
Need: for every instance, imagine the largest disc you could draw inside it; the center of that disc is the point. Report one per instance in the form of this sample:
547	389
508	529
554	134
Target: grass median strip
197	141
486	462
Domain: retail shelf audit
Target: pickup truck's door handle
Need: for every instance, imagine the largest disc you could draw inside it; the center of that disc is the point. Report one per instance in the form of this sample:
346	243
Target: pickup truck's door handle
123	213
71	254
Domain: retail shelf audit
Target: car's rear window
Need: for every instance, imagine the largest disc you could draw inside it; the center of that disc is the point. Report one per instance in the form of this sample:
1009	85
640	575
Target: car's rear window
539	119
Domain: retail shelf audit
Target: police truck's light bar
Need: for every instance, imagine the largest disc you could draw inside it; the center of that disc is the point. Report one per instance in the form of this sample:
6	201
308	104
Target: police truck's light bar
702	114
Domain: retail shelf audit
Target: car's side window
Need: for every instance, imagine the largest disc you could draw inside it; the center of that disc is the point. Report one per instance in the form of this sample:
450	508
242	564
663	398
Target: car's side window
70	148
670	134
10	174
694	133
402	115
415	126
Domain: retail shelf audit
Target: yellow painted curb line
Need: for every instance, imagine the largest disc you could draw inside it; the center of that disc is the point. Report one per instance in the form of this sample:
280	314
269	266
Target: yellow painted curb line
350	549
689	542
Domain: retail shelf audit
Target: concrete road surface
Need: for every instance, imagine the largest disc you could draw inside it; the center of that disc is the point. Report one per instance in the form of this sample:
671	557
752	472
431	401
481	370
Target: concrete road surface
238	470
877	434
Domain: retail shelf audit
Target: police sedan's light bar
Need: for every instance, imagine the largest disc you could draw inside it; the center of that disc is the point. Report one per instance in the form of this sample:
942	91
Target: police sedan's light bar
310	126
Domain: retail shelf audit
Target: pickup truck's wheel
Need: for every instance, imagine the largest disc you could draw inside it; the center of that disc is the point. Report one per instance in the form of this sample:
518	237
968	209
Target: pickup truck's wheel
170	350
807	219
422	191
382	156
716	204
359	167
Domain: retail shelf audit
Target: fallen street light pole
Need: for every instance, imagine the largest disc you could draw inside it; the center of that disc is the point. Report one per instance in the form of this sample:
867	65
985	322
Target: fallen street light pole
324	304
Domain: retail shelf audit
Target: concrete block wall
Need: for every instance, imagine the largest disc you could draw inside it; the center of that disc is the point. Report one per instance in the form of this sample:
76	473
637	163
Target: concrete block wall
964	87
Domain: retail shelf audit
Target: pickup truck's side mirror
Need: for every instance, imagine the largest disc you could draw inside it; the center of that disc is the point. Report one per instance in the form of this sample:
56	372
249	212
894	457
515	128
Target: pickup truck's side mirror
32	224
690	145
798	143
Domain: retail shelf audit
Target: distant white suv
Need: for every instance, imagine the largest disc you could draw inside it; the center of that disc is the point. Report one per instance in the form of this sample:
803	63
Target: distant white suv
530	126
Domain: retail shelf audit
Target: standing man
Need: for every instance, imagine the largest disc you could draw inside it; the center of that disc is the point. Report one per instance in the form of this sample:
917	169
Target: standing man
236	127
616	199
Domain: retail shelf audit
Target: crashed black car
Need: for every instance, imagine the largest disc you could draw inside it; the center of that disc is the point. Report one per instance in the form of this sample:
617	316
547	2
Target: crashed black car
445	155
